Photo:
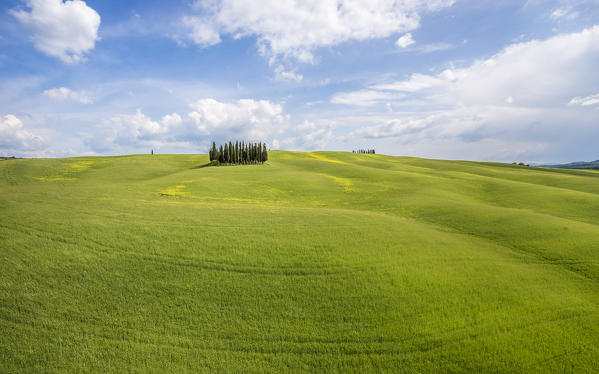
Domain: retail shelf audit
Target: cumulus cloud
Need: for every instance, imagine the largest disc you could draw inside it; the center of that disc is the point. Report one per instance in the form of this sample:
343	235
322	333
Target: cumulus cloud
15	140
66	30
245	118
201	31
306	136
535	73
405	41
529	94
139	127
208	119
63	93
259	120
171	120
294	29
132	131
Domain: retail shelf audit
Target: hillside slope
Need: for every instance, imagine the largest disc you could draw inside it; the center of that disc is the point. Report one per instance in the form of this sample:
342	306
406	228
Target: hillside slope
323	261
578	165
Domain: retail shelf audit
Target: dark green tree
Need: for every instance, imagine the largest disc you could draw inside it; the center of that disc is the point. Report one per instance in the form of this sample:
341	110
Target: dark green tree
264	153
236	153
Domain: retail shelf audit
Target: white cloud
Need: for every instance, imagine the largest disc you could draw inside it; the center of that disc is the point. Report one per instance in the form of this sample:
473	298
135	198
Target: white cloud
141	127
132	131
363	97
294	29
252	119
63	93
66	30
202	31
418	82
433	47
15	140
405	41
283	75
256	120
585	101
564	13
209	119
527	94
171	120
421	48
535	73
306	136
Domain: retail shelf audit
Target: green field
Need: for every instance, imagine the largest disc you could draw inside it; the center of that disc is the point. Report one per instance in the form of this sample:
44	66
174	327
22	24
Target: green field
314	262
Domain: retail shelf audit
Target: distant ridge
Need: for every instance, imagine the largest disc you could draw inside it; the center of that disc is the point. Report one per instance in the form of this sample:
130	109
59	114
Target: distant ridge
577	165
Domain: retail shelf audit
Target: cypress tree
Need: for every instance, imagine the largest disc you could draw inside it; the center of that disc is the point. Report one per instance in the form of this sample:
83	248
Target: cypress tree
264	153
213	152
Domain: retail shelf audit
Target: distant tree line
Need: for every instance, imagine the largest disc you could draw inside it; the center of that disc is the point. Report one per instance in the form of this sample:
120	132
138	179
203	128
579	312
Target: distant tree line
366	151
239	153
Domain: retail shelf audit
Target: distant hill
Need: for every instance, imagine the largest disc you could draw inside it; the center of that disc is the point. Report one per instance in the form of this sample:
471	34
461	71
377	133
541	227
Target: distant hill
577	165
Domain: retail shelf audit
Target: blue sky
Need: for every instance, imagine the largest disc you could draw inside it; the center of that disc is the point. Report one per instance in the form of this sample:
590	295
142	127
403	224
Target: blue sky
477	80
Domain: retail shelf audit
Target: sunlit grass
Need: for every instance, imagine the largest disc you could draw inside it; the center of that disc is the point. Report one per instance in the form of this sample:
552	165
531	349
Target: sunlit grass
313	262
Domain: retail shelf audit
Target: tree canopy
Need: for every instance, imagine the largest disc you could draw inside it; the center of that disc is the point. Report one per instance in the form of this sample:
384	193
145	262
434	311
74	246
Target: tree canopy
238	153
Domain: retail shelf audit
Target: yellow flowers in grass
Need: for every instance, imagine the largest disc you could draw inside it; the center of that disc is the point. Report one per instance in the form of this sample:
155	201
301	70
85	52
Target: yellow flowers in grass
178	190
322	157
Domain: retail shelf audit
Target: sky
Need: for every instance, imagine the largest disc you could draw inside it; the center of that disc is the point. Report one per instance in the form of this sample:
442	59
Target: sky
452	79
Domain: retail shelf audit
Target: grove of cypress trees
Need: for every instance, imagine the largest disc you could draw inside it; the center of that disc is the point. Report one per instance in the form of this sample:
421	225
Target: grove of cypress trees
365	151
239	153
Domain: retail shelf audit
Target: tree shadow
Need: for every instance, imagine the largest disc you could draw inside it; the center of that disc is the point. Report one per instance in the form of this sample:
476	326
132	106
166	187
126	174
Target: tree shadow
201	166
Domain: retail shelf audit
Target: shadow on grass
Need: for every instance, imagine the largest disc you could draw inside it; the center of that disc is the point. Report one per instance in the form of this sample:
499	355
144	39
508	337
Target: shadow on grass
216	164
202	166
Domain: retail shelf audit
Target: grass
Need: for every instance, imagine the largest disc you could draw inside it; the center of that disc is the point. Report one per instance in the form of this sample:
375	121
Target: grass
326	261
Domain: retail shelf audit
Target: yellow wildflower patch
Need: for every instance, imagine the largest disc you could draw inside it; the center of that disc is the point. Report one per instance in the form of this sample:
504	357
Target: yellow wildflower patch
54	178
321	157
81	165
178	190
346	183
68	172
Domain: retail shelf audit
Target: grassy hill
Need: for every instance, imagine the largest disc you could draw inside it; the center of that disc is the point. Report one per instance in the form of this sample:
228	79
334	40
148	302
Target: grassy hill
319	261
578	165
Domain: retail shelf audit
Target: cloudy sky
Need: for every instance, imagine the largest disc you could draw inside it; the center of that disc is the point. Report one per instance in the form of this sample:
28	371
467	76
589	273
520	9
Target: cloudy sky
454	79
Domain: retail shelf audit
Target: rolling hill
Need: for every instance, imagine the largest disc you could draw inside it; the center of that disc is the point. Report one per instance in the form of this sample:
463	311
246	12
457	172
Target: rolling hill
320	261
577	165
